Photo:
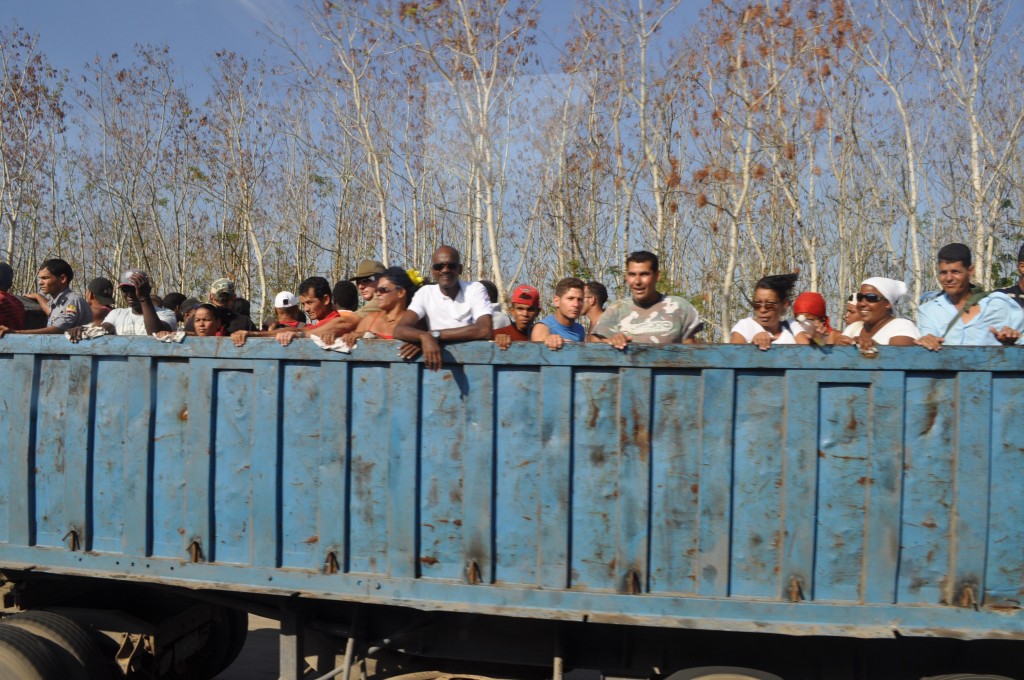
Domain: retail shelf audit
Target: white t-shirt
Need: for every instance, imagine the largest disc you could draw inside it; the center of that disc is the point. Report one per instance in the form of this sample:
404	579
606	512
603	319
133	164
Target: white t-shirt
126	322
748	328
443	312
894	328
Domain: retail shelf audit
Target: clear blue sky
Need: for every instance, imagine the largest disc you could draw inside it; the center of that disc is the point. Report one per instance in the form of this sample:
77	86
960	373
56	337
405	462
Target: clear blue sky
73	32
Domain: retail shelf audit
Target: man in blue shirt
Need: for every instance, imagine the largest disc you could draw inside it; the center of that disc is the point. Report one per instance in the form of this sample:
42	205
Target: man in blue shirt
561	326
960	317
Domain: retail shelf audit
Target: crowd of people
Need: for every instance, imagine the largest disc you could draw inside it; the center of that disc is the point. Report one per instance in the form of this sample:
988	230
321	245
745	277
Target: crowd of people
392	303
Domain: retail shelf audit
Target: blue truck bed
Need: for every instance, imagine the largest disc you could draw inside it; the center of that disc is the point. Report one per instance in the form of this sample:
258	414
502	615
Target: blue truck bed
796	491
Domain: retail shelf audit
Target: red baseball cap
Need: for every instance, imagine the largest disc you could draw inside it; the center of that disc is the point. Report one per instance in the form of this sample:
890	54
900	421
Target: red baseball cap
526	295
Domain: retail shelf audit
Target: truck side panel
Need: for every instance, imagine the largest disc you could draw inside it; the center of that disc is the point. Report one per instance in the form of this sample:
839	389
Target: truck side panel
795	491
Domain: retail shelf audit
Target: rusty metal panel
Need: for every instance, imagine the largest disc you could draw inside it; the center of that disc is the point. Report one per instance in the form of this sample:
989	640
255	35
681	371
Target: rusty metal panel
518	484
676	478
795	491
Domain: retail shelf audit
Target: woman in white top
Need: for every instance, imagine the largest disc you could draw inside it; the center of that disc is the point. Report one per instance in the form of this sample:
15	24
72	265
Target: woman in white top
768	324
876	324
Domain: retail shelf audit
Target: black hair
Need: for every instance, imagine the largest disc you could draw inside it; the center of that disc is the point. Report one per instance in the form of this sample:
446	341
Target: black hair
345	296
317	284
782	284
219	313
173	300
597	289
58	268
639	256
400	278
1020	255
955	252
492	290
241	306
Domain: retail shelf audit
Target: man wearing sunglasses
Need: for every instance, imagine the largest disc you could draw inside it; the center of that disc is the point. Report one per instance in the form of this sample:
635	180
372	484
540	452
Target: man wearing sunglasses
961	316
455	311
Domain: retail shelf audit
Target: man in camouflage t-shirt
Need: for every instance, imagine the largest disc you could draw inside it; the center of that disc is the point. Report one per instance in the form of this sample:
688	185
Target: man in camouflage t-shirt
650	316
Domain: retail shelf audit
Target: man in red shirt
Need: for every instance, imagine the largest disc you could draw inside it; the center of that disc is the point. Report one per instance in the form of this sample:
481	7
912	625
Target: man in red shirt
524	305
12	312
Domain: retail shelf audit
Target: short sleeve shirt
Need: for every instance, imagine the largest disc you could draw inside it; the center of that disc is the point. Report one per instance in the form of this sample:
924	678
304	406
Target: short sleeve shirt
748	328
12	312
997	311
893	329
127	322
67	310
671	319
513	333
574	332
443	312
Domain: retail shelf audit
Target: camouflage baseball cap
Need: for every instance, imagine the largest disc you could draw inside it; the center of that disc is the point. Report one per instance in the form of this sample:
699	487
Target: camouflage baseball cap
222	289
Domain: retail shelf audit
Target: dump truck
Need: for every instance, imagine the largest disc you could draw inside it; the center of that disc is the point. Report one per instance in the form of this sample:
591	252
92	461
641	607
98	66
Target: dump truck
671	512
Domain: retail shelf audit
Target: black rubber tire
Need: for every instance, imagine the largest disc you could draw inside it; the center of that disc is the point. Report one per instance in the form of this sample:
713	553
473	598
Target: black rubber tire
85	658
224	642
722	673
27	657
238	630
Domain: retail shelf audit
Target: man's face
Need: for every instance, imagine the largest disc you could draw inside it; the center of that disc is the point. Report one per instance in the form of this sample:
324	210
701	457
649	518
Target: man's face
132	298
642	281
367	287
50	284
317	308
955	278
523	315
446	268
589	302
570	303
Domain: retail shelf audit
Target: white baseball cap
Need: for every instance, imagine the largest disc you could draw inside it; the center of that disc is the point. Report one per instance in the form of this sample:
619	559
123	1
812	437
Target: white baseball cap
285	299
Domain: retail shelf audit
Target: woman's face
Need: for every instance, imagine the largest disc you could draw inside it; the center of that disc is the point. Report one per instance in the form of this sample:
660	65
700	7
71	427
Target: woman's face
389	295
768	308
205	322
871	306
852	314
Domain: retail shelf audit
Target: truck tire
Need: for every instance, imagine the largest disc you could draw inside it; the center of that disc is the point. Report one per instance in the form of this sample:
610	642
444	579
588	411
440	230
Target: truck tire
69	636
27	657
224	643
722	673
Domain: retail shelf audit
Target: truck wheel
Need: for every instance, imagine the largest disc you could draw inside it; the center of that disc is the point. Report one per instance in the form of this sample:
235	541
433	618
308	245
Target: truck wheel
67	634
722	673
223	644
27	657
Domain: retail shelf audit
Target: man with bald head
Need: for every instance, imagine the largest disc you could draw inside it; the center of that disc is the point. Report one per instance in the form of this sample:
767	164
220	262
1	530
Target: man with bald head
453	310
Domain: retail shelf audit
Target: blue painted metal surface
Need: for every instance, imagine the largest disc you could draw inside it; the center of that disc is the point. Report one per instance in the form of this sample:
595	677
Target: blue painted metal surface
794	491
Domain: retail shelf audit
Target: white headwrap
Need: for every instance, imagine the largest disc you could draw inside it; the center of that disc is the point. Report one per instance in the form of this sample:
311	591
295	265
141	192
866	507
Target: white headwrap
891	289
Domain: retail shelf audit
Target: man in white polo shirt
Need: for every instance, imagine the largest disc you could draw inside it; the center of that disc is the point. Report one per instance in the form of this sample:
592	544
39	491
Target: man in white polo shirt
454	310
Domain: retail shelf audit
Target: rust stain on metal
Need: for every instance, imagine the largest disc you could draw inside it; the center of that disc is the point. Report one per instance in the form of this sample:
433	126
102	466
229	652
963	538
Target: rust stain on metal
183	414
427	559
694	488
631	582
457	522
796	589
929	524
195	551
865	481
473	572
311	540
74	539
331	563
852	423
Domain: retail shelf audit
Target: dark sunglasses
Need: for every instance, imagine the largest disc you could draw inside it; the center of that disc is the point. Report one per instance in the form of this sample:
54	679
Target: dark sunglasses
870	297
441	266
764	305
384	290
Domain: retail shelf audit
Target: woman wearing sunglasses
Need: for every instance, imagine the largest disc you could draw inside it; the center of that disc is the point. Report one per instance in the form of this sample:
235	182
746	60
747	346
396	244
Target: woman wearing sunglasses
768	324
876	323
394	293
